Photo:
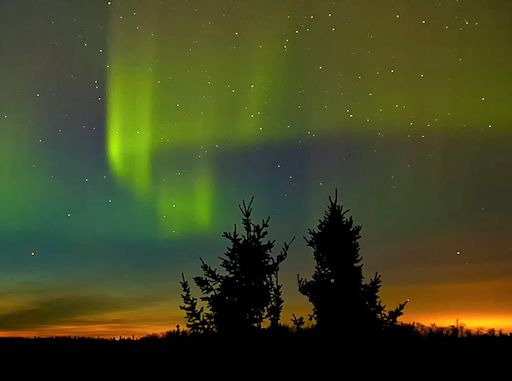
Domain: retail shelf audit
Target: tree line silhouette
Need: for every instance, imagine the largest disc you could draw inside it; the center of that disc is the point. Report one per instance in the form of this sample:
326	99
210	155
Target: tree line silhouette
245	294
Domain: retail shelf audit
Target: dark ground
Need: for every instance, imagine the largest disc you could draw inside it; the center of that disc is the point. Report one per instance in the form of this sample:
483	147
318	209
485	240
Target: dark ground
261	357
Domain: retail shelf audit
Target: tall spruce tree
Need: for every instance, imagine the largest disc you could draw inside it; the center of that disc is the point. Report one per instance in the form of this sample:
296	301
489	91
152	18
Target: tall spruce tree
247	292
340	297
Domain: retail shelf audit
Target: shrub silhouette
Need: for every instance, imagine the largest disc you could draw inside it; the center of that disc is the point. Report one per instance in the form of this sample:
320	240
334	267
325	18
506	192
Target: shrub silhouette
298	322
247	292
340	297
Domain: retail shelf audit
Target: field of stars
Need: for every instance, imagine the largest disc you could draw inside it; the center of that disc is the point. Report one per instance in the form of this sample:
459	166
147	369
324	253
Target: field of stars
130	131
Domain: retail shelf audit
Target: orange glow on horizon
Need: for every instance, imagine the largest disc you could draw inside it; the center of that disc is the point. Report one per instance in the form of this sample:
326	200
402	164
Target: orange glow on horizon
475	304
94	331
470	321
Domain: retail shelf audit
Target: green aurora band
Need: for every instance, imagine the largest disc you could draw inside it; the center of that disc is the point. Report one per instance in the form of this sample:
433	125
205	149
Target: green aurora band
189	93
150	110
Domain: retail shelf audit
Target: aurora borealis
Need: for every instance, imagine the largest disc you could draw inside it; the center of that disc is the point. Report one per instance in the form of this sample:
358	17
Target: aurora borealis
130	131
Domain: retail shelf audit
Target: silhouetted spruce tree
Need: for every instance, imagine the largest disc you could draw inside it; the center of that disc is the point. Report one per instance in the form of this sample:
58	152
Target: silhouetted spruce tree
247	292
340	297
197	320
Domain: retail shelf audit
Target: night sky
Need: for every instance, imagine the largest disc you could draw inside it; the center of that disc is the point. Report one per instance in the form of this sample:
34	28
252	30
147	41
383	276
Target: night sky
130	131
